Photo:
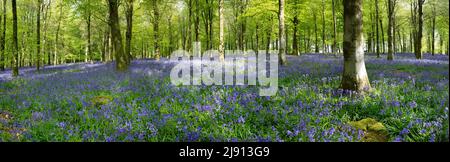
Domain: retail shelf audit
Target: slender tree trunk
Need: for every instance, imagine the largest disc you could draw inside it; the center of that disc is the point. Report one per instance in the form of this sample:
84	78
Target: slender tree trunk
324	46
156	18
371	35
390	31
197	22
441	43
171	42
88	45
189	24
257	38
221	31
382	37
3	38
211	23
315	32
38	35
129	33
377	18
418	46
433	32
55	53
121	64
15	41
295	41
269	37
45	43
355	76
334	28
282	33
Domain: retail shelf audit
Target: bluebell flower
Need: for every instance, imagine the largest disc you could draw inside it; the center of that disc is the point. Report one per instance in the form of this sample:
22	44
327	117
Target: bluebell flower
241	119
412	104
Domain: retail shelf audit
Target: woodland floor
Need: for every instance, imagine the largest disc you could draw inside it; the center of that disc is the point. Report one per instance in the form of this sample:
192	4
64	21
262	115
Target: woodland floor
91	102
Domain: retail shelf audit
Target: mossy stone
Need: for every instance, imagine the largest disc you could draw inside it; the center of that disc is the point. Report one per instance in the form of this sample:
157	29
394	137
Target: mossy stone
101	100
374	131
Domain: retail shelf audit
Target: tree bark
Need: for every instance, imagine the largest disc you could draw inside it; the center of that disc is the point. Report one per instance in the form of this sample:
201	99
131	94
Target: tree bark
382	37
88	56
38	36
121	64
377	18
55	53
354	76
418	41
334	28
3	38
156	18
129	33
295	41
433	32
15	50
315	32
324	46
221	31
390	31
282	34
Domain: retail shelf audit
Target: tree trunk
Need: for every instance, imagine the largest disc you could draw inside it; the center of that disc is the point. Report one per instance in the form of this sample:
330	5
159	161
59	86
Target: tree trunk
15	50
38	36
324	46
3	38
355	76
382	37
377	18
197	22
121	64
282	33
221	31
390	31
47	16
156	28
418	46
433	32
334	28
129	33
88	45
295	41
189	24
315	32
55	53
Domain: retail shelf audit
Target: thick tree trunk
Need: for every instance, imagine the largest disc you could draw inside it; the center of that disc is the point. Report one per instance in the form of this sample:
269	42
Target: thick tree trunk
355	76
121	64
282	34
